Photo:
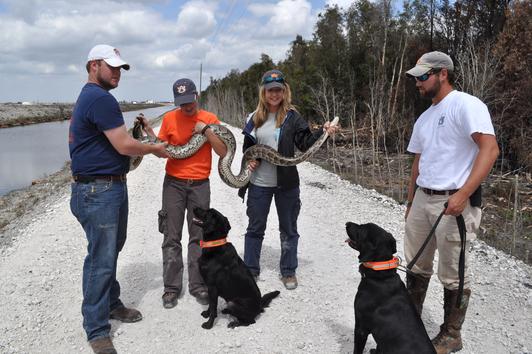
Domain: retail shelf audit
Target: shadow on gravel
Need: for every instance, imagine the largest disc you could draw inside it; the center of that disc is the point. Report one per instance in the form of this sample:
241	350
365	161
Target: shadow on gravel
344	336
137	279
270	258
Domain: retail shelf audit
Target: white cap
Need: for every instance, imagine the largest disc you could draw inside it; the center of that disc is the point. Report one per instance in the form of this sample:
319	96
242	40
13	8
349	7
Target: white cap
110	54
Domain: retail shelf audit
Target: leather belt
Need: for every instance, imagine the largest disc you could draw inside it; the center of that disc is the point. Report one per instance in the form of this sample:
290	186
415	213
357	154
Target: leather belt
435	192
90	179
189	181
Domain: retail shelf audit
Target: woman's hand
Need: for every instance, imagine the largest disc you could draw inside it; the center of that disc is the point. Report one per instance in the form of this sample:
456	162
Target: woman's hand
253	165
331	129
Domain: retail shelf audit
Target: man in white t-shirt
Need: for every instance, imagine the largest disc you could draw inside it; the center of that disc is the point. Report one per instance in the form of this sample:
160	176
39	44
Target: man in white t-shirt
455	148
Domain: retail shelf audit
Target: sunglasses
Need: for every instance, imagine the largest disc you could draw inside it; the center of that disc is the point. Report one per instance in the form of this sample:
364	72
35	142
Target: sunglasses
426	75
269	79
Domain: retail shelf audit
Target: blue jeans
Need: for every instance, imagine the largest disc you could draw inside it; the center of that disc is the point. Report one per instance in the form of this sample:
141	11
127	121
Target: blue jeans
288	206
101	208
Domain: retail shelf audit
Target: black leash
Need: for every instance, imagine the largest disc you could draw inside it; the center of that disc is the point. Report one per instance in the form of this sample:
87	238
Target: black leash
461	260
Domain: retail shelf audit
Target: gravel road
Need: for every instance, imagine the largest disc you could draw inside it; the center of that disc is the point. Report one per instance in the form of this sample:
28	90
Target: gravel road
40	279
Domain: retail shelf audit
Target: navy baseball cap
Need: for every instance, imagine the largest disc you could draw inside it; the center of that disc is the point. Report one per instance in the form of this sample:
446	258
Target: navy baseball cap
184	92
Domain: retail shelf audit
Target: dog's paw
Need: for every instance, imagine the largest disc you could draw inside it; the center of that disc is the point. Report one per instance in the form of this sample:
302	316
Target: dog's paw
207	325
205	313
233	324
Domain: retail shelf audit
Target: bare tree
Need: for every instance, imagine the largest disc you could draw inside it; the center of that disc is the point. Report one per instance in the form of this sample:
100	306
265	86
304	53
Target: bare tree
478	70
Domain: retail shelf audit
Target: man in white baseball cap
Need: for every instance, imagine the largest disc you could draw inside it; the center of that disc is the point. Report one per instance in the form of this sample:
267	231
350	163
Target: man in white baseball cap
109	54
100	150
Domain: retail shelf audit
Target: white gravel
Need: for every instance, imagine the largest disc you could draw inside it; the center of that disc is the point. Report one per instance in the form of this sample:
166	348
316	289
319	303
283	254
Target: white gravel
40	279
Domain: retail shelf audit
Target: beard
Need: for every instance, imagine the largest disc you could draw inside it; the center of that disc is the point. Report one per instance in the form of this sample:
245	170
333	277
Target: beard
430	93
106	84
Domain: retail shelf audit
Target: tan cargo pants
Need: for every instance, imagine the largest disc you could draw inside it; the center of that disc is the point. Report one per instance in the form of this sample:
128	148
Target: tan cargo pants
423	213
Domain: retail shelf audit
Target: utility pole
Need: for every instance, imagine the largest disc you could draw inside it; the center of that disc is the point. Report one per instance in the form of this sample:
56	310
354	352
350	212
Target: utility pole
200	75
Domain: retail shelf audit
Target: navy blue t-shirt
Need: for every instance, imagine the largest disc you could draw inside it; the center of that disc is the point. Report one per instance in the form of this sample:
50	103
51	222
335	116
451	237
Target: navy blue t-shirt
96	110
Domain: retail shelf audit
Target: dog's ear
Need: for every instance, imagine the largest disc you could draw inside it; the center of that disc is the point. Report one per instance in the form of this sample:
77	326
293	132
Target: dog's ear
392	243
222	222
227	225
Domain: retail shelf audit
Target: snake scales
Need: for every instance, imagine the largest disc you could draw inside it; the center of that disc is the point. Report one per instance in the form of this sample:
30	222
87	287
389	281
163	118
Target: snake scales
258	151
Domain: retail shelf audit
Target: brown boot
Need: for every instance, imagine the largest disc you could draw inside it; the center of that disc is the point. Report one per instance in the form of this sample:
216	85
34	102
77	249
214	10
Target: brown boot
417	289
449	340
102	345
126	315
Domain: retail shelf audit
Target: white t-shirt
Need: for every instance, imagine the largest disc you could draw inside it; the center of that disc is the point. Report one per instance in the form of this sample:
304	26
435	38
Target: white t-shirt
442	135
266	174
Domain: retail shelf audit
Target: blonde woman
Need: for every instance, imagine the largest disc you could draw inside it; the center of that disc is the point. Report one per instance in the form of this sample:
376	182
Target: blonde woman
276	123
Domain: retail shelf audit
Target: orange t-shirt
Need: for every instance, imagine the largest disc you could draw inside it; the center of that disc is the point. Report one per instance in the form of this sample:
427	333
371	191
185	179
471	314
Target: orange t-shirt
176	129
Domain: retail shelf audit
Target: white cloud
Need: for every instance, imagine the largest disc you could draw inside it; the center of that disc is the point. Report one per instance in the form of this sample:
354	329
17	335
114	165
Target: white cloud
46	42
291	18
196	20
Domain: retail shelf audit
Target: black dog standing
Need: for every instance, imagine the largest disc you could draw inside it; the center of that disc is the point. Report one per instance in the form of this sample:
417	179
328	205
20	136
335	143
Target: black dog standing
382	305
225	274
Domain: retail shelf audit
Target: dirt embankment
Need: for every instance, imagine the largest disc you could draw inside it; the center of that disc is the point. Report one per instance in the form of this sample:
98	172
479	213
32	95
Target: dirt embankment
16	114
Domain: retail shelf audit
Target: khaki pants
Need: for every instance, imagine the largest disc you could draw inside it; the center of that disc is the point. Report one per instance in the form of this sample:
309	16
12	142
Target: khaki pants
180	197
422	216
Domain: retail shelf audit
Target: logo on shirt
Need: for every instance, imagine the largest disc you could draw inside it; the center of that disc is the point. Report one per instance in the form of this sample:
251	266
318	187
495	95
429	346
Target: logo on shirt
441	120
181	89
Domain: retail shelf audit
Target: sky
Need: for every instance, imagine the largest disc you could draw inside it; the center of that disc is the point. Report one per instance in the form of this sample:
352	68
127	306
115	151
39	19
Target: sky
44	43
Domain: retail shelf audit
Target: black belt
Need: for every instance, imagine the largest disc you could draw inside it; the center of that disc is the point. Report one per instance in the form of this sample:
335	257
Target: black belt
90	179
189	181
434	192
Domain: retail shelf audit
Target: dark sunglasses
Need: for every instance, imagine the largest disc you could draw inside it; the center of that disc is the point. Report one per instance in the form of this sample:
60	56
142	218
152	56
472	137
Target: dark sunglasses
426	75
269	79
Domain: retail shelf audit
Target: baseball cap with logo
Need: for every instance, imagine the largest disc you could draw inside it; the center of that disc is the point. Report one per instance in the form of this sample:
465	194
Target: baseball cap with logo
184	92
431	60
272	78
109	54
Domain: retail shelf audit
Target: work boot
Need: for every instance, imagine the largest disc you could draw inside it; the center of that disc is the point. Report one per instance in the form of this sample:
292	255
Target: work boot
289	282
126	315
449	340
102	345
169	300
417	286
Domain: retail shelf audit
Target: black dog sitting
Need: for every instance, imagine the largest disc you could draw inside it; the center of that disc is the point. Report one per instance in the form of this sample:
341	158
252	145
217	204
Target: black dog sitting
382	305
225	274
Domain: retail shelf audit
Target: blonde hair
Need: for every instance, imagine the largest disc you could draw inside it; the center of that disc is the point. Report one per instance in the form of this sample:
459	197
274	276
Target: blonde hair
261	113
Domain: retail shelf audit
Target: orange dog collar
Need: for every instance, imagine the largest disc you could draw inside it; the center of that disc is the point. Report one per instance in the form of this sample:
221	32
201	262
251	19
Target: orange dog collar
214	243
385	265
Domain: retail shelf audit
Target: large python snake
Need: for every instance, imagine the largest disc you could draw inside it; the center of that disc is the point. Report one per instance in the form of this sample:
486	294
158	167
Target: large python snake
258	151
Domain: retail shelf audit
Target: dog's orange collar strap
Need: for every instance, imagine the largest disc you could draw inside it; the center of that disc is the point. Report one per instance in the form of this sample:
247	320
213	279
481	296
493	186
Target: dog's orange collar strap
385	265
214	243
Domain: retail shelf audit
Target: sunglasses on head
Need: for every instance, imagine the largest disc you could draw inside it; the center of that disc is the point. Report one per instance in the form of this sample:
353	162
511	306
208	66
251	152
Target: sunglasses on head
426	75
273	79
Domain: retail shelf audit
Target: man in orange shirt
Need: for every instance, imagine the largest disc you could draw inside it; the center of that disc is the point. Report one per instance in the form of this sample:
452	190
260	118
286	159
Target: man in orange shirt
186	186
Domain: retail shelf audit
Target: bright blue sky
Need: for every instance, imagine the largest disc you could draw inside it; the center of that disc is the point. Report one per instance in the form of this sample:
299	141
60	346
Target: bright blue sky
44	43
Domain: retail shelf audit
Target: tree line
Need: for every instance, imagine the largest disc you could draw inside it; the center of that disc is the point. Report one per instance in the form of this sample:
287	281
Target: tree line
354	65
